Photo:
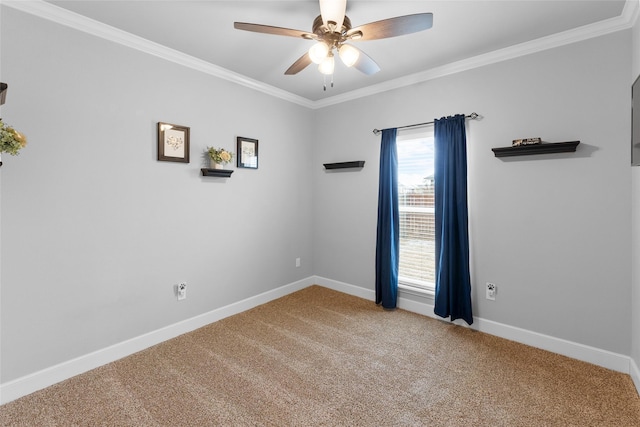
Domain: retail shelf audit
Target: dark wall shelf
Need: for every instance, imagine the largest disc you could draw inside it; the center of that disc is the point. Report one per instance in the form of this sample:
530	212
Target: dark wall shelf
345	165
224	173
544	148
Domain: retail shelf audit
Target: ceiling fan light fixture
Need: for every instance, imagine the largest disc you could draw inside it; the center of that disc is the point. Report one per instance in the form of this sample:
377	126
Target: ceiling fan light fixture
318	52
327	66
348	54
333	11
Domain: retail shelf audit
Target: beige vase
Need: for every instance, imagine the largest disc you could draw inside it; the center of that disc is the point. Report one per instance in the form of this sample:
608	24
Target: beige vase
215	165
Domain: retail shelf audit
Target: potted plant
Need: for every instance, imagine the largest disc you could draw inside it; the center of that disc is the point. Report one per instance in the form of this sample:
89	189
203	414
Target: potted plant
11	141
219	157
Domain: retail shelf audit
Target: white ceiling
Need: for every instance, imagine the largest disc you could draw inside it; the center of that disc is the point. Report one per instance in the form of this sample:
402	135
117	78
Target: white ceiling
461	30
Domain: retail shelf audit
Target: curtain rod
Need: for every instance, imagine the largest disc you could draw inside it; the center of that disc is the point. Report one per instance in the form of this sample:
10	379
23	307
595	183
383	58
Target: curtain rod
470	116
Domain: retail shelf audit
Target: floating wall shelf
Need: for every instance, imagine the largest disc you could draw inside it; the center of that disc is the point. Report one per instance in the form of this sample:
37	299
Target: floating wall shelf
345	165
224	173
544	148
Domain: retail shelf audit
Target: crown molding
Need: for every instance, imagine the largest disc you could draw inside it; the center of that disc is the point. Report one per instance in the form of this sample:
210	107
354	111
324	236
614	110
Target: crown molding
79	22
631	11
626	20
42	9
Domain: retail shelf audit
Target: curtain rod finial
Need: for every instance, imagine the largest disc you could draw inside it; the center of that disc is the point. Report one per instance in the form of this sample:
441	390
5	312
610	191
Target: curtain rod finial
376	131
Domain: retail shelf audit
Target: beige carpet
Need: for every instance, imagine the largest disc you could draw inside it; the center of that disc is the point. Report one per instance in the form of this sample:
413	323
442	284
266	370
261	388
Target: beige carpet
319	357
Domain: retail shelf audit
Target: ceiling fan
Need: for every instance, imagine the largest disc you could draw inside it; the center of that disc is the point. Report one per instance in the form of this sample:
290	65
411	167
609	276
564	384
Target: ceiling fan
332	30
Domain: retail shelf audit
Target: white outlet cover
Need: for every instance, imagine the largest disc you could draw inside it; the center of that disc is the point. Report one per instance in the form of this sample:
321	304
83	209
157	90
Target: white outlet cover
491	291
182	291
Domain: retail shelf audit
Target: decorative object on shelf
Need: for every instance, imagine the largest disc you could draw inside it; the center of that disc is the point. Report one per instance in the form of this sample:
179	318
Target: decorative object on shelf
11	141
219	157
247	152
173	143
345	165
526	141
544	148
224	173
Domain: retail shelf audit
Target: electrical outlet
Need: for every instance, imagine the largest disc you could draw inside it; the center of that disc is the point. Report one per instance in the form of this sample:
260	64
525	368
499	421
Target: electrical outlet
181	291
297	262
492	290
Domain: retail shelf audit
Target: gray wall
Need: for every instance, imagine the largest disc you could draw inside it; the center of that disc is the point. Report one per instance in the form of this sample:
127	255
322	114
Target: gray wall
635	253
96	231
552	231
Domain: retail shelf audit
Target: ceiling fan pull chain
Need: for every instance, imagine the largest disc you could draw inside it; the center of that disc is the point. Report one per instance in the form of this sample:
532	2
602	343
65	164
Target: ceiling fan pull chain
324	82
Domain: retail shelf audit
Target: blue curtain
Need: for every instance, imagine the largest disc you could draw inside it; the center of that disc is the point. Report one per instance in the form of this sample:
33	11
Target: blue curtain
453	284
388	235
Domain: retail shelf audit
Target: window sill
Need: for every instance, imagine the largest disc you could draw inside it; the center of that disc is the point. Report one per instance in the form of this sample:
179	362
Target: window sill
413	290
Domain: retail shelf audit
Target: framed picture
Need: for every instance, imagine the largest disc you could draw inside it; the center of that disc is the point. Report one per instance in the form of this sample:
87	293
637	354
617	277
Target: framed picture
247	153
635	123
173	143
3	92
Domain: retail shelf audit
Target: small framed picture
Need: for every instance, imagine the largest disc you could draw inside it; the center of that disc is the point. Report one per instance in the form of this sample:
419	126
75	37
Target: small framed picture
635	123
173	143
247	153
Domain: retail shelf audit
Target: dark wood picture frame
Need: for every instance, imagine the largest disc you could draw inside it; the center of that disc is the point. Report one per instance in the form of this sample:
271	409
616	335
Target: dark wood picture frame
173	143
635	122
3	92
247	153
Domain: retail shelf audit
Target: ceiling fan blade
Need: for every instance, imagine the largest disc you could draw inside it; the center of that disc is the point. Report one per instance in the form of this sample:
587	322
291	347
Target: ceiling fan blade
268	29
299	65
392	27
365	64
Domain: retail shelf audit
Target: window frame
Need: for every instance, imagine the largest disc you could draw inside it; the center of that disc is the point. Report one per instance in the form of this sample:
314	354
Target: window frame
408	284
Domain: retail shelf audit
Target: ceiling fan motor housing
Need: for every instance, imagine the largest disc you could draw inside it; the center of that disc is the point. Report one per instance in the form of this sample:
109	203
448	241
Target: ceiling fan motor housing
329	34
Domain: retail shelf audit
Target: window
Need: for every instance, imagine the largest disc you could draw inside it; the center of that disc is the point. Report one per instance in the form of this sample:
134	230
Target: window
417	210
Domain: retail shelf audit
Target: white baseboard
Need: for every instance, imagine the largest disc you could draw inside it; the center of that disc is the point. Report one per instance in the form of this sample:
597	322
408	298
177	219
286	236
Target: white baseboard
346	288
596	356
606	359
635	374
38	380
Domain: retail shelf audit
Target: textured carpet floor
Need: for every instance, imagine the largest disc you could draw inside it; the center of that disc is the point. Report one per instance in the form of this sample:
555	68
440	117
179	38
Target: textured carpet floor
319	357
